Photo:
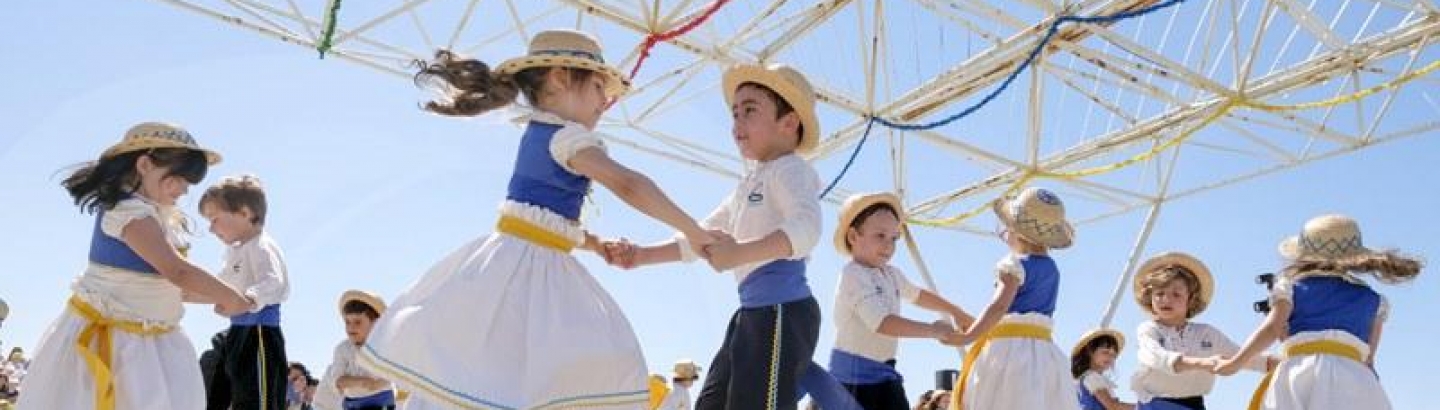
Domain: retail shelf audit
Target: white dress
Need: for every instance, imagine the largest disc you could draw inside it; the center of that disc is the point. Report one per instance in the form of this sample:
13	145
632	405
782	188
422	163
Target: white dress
1023	373
150	372
505	323
1322	381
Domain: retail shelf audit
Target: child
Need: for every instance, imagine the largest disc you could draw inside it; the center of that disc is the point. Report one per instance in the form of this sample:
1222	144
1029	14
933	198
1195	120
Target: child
345	384
1014	364
771	222
118	344
253	366
1092	356
1176	354
1328	320
686	373
867	303
496	324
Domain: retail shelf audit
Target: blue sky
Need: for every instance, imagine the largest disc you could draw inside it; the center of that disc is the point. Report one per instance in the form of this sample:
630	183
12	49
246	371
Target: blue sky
367	192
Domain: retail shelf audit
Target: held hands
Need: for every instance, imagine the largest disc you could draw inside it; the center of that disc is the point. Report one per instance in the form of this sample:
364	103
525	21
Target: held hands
1225	367
722	253
234	306
620	253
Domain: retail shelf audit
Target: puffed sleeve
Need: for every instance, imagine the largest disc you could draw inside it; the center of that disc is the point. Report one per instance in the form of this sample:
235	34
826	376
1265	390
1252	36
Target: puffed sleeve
569	141
123	213
1012	267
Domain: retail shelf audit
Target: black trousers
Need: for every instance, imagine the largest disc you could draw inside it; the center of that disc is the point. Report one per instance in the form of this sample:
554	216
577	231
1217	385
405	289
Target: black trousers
766	350
880	396
252	370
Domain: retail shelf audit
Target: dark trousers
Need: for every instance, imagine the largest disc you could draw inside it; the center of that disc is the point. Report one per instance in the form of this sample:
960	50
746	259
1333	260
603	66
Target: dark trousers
252	370
880	396
766	351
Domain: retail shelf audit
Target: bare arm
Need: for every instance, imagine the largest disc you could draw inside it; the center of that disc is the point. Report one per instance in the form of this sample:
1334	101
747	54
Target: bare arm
1004	296
933	302
635	189
148	240
1271	330
1109	401
896	326
727	255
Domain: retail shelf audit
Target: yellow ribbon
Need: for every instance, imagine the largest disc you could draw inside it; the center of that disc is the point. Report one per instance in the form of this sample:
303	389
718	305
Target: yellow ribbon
535	234
98	332
658	391
1329	347
1001	331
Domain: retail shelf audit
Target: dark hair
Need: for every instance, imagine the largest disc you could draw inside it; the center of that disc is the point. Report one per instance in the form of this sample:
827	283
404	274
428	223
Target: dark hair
782	107
356	307
301	367
866	214
1080	362
235	193
99	185
1388	266
469	87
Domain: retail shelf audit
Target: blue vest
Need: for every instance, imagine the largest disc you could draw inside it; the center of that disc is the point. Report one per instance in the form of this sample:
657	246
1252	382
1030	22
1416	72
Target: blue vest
1329	302
381	399
538	180
1041	287
109	251
774	283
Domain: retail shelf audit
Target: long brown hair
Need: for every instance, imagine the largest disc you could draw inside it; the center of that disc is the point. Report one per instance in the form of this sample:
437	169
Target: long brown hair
99	185
1387	266
468	87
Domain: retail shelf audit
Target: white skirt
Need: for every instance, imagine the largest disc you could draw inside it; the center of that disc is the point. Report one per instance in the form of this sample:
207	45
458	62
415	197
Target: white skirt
503	323
1324	382
150	372
1021	373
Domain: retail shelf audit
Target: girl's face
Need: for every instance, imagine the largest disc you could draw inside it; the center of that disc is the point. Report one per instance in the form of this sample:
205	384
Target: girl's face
1171	303
583	101
1102	359
156	183
873	242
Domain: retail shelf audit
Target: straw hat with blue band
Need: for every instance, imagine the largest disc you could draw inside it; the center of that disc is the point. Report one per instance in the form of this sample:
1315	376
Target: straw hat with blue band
1037	215
790	85
571	49
153	135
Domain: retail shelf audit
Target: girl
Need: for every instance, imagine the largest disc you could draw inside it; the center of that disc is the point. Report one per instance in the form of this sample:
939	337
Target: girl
1094	355
1177	354
867	304
496	324
1327	319
118	344
1014	364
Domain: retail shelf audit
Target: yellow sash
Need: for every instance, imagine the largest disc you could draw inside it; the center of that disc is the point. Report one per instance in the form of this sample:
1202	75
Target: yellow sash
534	233
1329	347
1000	331
97	332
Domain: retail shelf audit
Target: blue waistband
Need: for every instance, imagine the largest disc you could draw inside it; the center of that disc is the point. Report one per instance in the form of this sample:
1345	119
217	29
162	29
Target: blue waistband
850	368
774	283
381	399
268	316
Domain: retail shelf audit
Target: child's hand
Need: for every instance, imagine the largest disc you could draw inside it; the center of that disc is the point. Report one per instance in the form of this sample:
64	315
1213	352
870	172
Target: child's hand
941	329
1226	367
722	254
699	240
619	253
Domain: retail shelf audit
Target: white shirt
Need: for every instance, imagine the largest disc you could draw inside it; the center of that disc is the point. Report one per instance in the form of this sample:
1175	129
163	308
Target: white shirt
678	399
327	394
1160	347
782	194
1094	382
863	299
257	269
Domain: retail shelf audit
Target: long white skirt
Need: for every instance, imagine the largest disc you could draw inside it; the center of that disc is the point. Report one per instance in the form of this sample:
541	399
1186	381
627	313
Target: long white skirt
1325	382
150	372
1021	374
503	323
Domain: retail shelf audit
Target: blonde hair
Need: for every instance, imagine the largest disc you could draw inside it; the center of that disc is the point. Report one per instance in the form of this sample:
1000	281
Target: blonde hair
1161	277
238	192
1387	266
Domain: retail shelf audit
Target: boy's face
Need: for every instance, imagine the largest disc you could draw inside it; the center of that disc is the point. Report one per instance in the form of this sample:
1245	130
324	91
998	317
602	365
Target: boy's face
230	227
357	327
873	243
1171	303
759	134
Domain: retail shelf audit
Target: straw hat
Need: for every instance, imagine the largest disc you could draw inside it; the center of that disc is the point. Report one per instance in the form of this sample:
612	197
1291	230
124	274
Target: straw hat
1168	259
851	209
568	48
1095	333
4	310
367	298
686	370
789	84
1325	237
151	135
1038	216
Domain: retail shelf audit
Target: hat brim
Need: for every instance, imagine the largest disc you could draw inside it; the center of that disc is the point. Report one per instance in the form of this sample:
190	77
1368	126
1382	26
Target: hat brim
615	83
1290	249
851	209
367	298
141	144
1190	263
1094	333
1064	240
804	105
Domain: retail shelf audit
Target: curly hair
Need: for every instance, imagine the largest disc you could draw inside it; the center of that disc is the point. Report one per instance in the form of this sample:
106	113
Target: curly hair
1161	277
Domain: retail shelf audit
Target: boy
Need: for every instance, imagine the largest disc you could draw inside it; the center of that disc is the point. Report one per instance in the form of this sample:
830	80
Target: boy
346	385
